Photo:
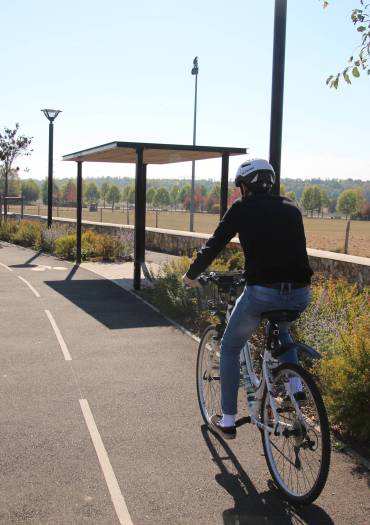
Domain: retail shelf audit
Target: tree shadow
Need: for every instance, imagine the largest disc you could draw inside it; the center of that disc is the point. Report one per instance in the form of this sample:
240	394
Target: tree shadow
106	302
250	506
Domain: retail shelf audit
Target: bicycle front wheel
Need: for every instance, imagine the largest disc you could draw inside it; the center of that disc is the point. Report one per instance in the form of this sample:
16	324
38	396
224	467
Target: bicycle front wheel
297	451
208	374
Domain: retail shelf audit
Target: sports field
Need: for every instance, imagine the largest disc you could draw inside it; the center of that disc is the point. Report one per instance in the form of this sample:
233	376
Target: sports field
323	234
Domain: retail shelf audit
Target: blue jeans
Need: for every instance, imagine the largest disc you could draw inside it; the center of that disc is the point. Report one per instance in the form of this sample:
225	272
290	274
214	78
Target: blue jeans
243	321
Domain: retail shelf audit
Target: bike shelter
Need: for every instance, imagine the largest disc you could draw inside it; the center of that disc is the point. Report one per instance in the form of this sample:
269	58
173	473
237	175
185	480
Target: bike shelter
141	154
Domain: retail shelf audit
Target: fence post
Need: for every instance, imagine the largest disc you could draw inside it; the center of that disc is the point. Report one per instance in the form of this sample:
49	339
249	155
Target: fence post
1	208
128	213
101	214
38	209
22	207
156	218
347	237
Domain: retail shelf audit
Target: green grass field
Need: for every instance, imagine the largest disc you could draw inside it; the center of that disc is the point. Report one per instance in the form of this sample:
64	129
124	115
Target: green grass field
323	234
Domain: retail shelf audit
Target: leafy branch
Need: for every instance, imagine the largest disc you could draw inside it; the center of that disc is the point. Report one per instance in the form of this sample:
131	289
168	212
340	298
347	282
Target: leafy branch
361	19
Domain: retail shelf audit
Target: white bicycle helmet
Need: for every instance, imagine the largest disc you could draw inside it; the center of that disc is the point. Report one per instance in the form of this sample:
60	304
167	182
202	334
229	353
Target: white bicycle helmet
256	173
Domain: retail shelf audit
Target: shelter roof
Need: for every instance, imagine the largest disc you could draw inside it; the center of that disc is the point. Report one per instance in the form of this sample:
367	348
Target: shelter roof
125	152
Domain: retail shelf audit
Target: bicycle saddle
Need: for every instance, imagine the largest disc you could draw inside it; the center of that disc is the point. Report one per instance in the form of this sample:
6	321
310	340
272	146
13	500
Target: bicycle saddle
278	316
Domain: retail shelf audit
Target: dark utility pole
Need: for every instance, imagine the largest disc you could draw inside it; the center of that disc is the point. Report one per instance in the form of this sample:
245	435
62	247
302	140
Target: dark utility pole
50	173
277	93
51	115
195	72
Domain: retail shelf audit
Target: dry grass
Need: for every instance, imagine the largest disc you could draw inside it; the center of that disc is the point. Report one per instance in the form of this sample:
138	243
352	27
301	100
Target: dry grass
322	234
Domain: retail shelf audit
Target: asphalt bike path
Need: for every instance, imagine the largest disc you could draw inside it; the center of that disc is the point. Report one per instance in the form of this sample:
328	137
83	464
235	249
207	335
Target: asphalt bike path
99	418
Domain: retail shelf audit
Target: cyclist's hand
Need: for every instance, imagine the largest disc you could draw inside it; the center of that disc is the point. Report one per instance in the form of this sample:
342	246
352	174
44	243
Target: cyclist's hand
191	283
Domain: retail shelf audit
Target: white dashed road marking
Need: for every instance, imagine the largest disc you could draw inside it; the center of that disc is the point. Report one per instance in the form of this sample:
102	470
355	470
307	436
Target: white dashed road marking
63	346
5	266
29	286
110	477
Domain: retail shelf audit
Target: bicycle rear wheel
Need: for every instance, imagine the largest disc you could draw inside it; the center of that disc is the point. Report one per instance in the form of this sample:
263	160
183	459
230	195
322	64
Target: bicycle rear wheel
208	374
298	454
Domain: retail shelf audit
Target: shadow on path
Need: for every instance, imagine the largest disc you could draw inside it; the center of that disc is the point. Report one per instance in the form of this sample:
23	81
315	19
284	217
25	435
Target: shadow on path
27	264
107	303
250	506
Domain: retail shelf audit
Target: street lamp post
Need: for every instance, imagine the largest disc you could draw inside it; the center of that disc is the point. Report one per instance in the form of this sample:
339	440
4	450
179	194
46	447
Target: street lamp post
51	115
194	71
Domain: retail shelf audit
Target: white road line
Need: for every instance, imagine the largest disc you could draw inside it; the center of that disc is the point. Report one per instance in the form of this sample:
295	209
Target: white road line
63	346
29	286
110	477
5	266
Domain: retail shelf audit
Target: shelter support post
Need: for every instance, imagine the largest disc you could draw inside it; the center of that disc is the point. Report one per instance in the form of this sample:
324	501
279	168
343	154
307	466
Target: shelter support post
79	212
224	183
1	208
277	90
140	205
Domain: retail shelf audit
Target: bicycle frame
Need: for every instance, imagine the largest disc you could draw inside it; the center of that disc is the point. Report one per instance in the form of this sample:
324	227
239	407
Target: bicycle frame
269	363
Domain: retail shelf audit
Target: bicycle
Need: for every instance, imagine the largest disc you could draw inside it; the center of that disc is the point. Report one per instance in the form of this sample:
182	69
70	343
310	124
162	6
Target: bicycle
283	400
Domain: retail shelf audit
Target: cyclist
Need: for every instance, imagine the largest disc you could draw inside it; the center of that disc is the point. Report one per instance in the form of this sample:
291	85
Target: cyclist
277	271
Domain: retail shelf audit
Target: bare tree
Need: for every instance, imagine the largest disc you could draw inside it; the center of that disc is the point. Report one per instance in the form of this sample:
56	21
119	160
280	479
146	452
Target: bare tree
11	147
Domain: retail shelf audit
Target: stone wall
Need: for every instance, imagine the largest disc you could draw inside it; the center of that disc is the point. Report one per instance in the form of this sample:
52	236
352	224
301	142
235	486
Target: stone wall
354	269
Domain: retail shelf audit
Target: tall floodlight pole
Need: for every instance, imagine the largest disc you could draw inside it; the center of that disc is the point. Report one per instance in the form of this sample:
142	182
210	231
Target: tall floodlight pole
277	93
194	71
51	115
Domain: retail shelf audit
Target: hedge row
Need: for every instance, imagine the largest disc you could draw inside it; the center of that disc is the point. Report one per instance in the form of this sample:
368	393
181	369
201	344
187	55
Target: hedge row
60	240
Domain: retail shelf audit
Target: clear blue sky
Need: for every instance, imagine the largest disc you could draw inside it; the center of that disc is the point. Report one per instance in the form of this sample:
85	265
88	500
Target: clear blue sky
120	70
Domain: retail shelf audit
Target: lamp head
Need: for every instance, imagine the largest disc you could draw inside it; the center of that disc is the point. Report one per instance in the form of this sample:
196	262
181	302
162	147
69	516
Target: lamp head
51	114
195	69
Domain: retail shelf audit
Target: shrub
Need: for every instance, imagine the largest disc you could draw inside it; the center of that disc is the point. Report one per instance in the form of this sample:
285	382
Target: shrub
94	246
28	234
65	246
50	235
345	377
8	229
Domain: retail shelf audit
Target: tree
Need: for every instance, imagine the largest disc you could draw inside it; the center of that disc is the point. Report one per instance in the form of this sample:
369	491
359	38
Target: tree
348	202
69	193
291	195
311	199
92	193
161	198
57	195
214	197
14	183
129	194
174	194
361	19
282	190
183	194
113	195
104	190
12	147
30	191
150	195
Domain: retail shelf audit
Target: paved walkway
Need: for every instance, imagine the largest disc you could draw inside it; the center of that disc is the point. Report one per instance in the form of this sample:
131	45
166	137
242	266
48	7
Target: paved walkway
99	419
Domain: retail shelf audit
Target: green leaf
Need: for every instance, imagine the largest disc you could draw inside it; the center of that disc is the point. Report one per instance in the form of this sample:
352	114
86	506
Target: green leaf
355	72
335	83
329	79
346	78
350	59
361	29
325	4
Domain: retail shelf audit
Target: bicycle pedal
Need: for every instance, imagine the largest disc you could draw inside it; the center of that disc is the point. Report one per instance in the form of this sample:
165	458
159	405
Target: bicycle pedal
242	421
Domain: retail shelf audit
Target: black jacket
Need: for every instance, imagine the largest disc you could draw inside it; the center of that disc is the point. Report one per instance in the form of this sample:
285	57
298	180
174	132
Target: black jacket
272	236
